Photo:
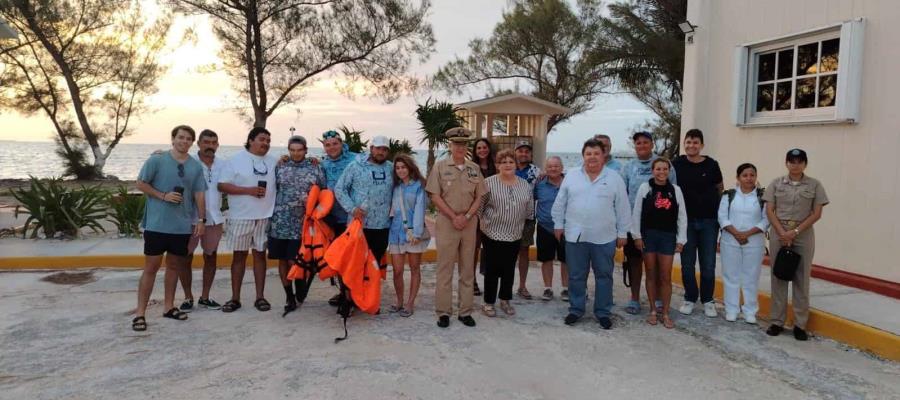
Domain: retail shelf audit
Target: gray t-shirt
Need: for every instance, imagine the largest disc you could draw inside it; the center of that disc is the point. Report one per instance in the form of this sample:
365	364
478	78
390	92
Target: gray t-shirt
163	173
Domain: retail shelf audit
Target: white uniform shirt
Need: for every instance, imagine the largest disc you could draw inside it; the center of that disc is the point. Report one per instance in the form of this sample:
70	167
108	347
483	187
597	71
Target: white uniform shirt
246	169
745	214
213	196
595	211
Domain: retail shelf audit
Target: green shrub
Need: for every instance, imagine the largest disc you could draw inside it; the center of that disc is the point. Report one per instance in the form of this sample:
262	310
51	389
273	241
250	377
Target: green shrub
59	210
126	211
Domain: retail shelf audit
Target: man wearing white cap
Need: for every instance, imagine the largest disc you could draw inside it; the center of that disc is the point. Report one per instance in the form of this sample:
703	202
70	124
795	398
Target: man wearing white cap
364	190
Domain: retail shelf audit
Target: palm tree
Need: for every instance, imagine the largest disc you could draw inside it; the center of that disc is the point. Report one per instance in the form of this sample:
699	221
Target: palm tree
353	139
399	147
435	118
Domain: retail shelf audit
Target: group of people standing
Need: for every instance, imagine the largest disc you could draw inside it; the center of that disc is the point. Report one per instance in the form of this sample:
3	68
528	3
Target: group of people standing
490	208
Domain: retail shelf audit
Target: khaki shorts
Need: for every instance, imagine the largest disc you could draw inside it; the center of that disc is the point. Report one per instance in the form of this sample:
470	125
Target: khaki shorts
528	233
244	234
209	242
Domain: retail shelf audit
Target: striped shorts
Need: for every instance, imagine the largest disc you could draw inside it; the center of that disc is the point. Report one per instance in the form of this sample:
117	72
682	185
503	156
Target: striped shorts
244	234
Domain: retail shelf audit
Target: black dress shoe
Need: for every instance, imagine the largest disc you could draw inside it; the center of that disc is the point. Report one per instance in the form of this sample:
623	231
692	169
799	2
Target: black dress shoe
334	300
774	330
605	322
800	334
467	320
443	321
571	319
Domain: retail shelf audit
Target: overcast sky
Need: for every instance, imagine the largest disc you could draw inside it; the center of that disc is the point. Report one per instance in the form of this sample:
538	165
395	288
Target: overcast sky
187	96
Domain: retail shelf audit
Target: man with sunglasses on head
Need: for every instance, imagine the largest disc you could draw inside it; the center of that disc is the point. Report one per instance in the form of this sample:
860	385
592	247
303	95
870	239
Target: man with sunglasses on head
337	157
248	178
174	185
364	189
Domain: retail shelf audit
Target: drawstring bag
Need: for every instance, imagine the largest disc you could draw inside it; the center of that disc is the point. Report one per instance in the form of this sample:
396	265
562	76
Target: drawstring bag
786	263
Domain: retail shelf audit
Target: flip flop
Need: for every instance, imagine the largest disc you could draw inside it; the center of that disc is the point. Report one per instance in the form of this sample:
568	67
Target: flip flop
633	307
231	306
667	322
393	309
175	314
262	305
652	319
139	324
405	313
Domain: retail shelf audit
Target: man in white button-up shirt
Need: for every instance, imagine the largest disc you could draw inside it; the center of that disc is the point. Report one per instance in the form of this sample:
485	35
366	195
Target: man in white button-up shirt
593	211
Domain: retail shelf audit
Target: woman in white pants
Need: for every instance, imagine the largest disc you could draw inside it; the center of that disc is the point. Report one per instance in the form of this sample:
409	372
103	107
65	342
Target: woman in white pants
742	245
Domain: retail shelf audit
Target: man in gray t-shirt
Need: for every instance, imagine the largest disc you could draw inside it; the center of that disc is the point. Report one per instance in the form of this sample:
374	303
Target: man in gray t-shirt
175	189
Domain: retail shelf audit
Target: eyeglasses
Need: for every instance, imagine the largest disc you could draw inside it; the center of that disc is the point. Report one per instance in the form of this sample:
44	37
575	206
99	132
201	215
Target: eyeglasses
256	171
181	170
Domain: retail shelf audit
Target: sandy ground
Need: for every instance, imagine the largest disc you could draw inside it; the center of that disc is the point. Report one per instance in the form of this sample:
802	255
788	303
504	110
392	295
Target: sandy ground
75	342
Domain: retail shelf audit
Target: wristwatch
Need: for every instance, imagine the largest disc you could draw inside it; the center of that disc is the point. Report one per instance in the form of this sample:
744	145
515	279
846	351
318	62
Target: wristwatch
468	216
202	220
796	231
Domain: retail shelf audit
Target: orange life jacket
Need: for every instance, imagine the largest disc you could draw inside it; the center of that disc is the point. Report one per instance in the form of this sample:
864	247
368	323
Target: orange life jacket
315	236
350	258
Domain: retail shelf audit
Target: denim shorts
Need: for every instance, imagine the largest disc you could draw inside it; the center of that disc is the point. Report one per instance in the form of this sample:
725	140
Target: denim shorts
659	242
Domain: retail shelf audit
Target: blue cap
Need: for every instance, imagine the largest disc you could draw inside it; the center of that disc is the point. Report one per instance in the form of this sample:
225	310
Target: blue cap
645	134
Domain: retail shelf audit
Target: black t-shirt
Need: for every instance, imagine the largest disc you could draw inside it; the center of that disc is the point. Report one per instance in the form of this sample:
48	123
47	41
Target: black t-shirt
699	183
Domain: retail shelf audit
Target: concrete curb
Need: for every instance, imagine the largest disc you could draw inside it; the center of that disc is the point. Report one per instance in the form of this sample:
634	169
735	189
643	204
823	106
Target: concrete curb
874	340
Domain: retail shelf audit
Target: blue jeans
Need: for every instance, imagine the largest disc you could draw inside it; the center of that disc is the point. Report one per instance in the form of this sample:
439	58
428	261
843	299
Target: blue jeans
581	257
702	235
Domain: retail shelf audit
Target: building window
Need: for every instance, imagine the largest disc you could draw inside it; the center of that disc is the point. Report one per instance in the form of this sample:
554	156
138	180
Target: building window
811	77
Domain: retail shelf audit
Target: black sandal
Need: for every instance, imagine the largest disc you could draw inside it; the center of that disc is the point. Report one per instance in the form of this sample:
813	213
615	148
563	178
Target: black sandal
176	314
139	324
231	306
262	305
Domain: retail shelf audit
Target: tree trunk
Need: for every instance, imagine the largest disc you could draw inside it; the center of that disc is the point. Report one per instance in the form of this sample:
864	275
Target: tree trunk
430	159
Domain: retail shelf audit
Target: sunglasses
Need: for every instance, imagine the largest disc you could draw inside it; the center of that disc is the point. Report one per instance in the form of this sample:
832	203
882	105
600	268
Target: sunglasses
257	172
181	170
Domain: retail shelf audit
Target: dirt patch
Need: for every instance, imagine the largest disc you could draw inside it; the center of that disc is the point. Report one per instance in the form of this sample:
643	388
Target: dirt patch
70	278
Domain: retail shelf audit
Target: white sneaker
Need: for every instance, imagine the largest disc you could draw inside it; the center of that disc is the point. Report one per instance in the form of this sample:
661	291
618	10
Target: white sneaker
750	319
686	308
710	309
730	317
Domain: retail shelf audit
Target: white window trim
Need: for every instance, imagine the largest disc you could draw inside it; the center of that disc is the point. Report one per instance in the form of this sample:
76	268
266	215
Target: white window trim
849	79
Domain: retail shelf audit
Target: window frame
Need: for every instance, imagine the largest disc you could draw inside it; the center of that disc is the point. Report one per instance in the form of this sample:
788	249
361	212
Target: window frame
849	78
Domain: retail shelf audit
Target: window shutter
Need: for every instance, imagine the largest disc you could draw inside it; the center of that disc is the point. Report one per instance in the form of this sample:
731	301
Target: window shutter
739	89
849	81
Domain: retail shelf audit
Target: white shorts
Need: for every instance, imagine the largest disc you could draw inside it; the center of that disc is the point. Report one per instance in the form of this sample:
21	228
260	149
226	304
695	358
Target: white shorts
408	248
244	234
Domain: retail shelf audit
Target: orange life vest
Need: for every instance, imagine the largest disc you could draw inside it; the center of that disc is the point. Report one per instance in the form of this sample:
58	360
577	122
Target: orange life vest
350	258
315	236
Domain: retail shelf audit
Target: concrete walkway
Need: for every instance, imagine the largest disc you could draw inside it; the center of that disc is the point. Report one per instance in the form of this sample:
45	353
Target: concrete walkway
75	341
857	305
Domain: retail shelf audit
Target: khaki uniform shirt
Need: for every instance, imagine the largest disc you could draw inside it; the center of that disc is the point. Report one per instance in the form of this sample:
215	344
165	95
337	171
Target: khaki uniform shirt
794	202
458	188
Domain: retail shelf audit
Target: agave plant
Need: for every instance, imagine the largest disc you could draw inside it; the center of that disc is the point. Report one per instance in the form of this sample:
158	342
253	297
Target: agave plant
126	211
435	118
56	209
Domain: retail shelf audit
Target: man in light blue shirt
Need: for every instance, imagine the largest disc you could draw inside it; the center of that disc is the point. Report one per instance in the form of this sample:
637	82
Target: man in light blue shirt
611	162
365	190
593	212
636	172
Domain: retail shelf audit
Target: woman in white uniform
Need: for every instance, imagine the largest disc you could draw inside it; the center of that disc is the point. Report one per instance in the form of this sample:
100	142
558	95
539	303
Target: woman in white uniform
744	222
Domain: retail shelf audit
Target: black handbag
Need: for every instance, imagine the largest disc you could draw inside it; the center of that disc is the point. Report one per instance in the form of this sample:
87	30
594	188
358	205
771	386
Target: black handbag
786	263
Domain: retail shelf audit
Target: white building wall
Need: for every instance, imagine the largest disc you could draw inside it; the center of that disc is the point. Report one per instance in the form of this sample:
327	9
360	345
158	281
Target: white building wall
858	164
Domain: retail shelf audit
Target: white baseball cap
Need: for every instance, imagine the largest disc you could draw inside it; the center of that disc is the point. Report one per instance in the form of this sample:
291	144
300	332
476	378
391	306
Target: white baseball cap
380	141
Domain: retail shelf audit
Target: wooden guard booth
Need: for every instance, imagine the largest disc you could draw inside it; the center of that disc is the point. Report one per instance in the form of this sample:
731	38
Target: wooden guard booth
524	118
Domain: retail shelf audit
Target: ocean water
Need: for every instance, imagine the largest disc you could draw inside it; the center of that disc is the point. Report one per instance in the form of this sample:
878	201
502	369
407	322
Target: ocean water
19	160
